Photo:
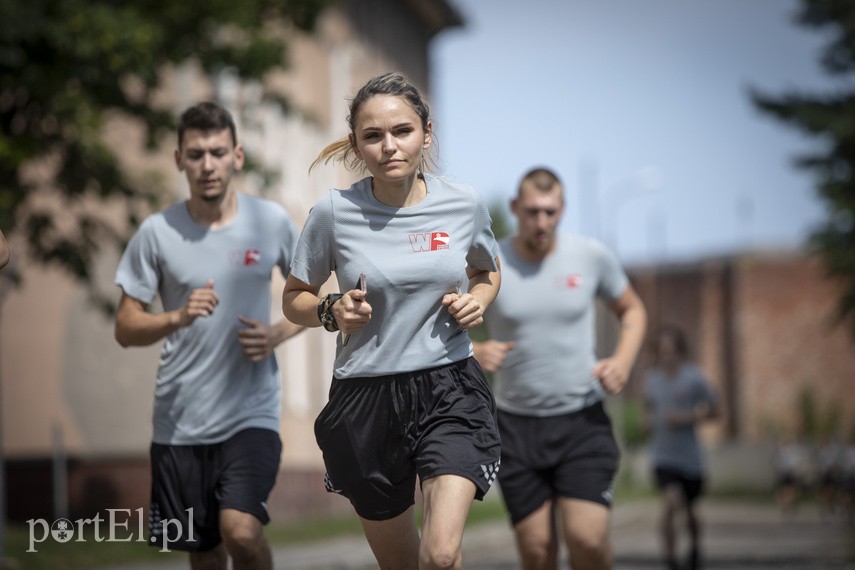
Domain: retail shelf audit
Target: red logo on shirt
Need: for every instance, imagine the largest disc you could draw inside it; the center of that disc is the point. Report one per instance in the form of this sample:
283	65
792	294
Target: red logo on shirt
439	240
251	257
573	281
244	257
430	241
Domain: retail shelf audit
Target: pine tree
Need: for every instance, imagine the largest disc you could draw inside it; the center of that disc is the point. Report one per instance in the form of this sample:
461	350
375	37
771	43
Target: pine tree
830	118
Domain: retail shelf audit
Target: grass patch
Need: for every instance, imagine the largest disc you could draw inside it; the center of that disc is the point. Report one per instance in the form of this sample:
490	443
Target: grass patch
312	530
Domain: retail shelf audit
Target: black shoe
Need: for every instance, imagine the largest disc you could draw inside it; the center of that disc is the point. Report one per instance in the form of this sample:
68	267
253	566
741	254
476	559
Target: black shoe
671	564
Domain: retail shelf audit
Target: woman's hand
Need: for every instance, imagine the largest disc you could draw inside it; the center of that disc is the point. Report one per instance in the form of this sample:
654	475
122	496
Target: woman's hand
352	312
465	308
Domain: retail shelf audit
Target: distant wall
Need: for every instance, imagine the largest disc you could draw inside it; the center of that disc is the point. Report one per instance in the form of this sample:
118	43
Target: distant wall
762	327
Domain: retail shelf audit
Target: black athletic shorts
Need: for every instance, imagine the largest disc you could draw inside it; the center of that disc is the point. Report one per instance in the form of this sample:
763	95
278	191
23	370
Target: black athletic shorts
238	473
378	433
571	455
692	485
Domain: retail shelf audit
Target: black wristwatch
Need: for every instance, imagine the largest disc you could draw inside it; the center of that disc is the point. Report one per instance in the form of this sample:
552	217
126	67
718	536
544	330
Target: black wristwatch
325	314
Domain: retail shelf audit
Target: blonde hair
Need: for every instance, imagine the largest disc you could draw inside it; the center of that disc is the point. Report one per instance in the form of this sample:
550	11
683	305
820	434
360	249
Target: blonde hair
394	84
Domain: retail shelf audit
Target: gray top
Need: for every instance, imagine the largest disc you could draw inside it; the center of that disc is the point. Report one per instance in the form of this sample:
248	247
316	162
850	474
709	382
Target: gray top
207	389
548	309
676	447
411	257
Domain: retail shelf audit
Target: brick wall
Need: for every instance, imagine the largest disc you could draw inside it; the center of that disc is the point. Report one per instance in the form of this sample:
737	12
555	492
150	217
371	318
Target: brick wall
790	346
762	328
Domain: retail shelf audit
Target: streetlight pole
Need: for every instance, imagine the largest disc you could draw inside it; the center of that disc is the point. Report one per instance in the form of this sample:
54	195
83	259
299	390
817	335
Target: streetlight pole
8	278
641	183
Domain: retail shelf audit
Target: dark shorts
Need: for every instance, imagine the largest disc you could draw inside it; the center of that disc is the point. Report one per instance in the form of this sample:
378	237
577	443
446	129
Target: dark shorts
199	480
789	479
377	434
572	455
691	485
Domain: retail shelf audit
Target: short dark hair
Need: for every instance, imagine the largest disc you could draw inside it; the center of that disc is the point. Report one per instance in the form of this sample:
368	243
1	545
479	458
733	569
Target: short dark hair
676	334
206	116
544	179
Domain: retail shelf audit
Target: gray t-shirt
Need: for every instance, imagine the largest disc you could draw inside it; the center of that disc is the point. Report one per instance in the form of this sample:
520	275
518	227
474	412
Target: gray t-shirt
411	257
207	389
676	447
548	309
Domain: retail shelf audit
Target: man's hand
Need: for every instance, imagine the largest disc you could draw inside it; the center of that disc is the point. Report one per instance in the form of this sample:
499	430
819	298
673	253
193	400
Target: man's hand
201	303
697	414
491	354
257	340
465	308
612	375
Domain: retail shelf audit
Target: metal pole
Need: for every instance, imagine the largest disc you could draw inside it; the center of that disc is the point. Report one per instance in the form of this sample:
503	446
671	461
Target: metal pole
2	483
8	279
60	475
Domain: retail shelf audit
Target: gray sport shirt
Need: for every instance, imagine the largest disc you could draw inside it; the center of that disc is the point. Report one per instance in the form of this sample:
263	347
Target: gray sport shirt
676	447
207	389
411	257
548	309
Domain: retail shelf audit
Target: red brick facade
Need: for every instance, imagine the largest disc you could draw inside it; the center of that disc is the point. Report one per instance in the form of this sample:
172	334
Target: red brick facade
762	327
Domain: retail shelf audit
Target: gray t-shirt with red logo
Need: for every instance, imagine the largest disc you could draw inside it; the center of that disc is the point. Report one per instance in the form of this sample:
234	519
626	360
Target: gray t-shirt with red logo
676	447
548	309
207	389
411	258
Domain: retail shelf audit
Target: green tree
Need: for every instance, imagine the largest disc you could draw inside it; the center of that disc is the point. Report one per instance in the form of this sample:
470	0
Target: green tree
66	66
831	119
502	225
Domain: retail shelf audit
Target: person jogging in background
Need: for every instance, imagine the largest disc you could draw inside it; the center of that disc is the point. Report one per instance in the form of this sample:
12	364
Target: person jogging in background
215	446
559	455
677	399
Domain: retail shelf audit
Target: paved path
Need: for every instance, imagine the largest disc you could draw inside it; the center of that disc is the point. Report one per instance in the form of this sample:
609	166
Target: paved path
738	535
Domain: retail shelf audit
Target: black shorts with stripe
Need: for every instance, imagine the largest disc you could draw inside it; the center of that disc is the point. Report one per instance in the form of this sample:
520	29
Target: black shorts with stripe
192	483
377	434
571	455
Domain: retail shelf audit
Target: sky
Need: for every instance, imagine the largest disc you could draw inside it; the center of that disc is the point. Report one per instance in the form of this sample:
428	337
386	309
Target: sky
642	108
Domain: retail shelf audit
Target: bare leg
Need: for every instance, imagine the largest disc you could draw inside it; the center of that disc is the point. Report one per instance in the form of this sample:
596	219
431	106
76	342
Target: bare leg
586	531
693	522
537	539
672	503
243	537
447	500
394	542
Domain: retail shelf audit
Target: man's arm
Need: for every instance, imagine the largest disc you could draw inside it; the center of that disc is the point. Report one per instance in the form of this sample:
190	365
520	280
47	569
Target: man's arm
491	354
135	326
613	372
704	409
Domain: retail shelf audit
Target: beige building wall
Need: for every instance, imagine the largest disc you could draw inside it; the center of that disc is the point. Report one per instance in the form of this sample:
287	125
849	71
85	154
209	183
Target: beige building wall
63	376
